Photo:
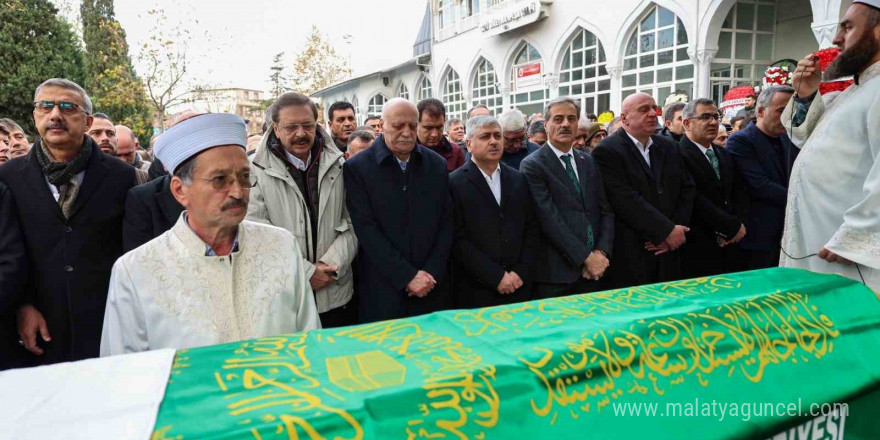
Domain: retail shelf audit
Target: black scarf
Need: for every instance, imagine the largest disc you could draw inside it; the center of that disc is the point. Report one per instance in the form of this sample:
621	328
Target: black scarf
60	173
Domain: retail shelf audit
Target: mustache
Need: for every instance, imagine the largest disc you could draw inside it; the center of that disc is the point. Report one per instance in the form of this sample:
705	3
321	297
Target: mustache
57	124
565	131
234	203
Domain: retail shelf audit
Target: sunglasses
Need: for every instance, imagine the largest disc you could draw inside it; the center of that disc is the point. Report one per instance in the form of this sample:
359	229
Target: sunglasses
65	107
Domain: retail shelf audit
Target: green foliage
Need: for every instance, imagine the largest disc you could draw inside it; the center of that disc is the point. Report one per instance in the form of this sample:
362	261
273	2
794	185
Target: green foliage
280	81
111	81
35	44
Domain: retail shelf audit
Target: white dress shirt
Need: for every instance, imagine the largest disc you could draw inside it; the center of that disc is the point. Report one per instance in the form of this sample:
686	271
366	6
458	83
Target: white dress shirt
494	181
299	164
54	189
559	154
645	150
704	150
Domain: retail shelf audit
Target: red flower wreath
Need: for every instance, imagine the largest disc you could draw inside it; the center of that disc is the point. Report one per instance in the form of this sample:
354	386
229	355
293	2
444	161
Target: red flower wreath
826	57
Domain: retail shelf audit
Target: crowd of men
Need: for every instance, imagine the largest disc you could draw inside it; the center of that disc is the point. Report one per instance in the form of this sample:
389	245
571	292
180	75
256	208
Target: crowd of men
218	238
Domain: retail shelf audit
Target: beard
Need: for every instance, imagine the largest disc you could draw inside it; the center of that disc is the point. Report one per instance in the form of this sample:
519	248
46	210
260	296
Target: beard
854	59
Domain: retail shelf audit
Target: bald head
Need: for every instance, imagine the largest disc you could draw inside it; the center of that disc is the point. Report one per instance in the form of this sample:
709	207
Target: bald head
126	146
400	127
639	116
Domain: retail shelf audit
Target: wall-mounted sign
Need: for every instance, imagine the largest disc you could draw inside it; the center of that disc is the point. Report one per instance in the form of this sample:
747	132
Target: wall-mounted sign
527	75
509	15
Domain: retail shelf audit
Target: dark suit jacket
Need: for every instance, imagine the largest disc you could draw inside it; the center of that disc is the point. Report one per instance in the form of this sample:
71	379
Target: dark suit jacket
564	214
13	260
490	239
150	210
648	202
70	259
720	208
767	177
403	222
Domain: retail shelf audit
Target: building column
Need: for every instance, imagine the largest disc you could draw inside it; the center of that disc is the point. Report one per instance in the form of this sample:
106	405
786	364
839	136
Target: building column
826	15
825	32
551	81
614	72
702	59
505	97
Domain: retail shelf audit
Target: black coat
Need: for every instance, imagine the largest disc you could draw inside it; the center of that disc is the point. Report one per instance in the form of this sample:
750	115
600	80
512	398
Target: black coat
13	260
767	178
648	202
70	259
565	214
490	239
150	210
403	223
720	208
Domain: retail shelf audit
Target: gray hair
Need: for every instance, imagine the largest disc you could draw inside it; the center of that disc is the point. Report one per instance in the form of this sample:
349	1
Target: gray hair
768	93
478	122
512	120
11	125
584	123
672	109
474	108
452	122
611	125
561	100
186	170
67	85
690	110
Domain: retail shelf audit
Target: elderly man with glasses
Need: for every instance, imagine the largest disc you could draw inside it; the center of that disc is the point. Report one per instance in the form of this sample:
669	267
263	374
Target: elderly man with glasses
213	277
514	132
70	200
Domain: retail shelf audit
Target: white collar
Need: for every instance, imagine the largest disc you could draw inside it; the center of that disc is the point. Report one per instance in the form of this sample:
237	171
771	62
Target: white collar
494	173
559	153
297	162
639	144
702	148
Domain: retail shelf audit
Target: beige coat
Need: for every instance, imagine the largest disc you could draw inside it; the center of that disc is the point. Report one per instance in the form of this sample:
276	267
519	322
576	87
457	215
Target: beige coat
277	200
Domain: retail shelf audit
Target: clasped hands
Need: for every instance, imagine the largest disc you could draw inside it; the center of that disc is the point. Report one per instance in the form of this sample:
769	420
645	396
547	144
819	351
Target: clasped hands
421	284
595	265
673	241
736	238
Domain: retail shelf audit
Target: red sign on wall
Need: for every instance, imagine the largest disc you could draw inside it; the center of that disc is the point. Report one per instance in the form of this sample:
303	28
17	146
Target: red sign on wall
528	75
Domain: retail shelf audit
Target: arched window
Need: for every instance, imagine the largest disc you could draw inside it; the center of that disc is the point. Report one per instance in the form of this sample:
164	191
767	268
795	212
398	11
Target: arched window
376	104
453	98
583	75
423	91
745	46
402	91
529	99
656	60
354	103
485	90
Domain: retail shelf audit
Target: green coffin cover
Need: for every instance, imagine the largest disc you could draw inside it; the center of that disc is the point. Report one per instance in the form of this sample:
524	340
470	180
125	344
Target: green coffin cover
746	355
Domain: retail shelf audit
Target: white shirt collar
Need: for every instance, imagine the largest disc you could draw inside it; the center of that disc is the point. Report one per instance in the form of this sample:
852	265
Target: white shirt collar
299	164
495	173
702	148
559	153
644	148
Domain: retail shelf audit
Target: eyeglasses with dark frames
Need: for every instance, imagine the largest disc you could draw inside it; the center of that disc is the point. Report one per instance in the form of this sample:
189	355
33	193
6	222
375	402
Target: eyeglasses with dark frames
65	107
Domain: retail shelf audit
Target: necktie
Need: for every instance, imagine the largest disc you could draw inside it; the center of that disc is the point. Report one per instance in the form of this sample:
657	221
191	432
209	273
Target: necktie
713	159
569	169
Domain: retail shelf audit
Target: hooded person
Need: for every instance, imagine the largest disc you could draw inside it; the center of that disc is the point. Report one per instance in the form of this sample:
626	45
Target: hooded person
213	277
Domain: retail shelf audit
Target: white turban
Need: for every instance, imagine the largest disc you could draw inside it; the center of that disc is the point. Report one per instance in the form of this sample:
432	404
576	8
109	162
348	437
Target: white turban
197	134
874	3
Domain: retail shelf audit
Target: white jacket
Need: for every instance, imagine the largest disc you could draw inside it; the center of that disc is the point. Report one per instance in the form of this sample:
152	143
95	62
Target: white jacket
277	200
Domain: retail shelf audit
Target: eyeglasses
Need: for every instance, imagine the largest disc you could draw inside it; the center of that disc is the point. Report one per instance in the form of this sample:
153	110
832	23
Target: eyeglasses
246	181
293	128
515	140
707	116
65	107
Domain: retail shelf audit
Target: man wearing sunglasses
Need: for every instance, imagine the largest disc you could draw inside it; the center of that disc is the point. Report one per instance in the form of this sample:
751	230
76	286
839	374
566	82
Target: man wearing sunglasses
70	200
720	205
212	278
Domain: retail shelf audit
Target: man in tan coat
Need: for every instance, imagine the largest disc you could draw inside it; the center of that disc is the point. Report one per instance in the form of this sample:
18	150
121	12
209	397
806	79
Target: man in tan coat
300	188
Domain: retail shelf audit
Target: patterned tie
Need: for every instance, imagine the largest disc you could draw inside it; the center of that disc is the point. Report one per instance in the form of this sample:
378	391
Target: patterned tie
710	153
570	170
577	186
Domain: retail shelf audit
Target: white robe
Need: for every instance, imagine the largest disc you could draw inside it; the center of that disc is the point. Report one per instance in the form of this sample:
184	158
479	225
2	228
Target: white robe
168	294
834	193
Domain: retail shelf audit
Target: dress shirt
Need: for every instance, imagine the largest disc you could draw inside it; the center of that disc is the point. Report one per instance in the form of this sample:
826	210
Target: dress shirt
559	154
494	181
645	151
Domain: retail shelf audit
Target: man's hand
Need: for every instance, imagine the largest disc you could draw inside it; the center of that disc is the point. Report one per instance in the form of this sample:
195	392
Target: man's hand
323	276
736	238
676	237
595	265
30	322
662	248
831	257
807	77
505	287
421	284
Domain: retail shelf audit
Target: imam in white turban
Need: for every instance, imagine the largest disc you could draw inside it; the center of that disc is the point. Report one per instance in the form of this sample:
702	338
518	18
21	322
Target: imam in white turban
197	134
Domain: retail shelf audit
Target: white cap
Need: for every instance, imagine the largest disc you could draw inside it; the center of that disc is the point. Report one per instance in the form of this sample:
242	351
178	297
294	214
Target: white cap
197	134
874	3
